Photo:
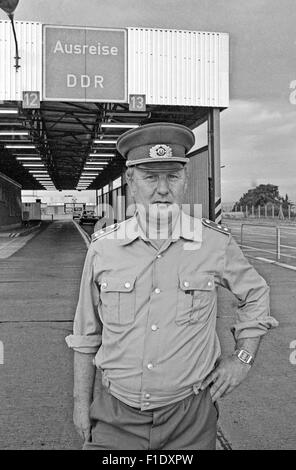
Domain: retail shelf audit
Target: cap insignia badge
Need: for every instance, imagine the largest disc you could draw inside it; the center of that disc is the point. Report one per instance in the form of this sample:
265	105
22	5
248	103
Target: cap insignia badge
160	150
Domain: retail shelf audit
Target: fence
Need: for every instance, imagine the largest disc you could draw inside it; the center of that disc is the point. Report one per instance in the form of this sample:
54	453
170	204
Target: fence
274	242
274	211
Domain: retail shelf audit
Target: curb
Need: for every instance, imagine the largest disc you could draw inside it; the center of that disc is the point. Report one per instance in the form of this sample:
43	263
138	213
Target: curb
25	232
85	236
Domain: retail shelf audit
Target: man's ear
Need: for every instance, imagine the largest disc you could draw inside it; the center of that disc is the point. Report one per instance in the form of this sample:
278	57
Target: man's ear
129	177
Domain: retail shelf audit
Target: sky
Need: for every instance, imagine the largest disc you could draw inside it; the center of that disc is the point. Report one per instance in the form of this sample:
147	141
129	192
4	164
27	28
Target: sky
258	130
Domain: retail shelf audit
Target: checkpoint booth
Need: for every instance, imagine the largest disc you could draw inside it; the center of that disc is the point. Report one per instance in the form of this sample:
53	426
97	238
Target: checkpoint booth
78	88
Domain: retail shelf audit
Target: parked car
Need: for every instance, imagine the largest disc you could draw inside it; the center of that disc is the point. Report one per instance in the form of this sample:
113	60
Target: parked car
88	217
77	213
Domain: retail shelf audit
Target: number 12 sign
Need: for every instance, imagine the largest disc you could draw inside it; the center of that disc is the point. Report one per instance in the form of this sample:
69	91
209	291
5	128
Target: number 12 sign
137	103
31	99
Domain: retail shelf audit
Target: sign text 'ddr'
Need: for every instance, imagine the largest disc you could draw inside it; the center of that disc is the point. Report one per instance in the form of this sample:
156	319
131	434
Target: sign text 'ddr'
84	64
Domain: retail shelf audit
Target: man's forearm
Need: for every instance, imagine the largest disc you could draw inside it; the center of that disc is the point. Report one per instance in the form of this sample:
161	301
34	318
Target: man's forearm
84	376
249	344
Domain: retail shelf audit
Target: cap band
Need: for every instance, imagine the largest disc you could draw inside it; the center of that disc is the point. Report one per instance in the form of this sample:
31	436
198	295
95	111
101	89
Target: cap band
160	166
158	152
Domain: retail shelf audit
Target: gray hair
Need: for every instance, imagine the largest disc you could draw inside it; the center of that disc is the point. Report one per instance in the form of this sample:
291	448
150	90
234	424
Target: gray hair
129	173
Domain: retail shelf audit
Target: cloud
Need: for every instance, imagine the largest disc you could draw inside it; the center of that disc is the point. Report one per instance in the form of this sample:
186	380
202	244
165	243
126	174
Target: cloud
258	146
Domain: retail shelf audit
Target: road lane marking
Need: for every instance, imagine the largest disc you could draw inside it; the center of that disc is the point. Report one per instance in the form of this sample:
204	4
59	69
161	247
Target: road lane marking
265	259
288	266
14	245
252	248
222	440
276	263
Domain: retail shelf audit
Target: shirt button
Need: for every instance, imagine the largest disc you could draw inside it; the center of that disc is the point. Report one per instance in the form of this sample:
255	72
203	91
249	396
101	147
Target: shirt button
147	403
150	366
186	284
159	256
147	395
127	285
154	327
104	285
209	283
157	290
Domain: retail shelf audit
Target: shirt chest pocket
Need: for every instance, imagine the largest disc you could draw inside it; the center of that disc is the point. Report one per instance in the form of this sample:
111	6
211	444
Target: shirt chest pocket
196	298
118	300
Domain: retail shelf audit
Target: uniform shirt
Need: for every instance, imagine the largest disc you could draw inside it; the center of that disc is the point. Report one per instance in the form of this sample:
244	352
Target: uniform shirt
149	313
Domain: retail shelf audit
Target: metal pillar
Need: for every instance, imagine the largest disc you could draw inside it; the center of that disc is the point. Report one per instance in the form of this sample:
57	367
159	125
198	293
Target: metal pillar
278	243
215	207
97	202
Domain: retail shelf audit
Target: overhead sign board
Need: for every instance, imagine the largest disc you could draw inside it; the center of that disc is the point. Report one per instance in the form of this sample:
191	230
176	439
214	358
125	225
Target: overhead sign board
84	64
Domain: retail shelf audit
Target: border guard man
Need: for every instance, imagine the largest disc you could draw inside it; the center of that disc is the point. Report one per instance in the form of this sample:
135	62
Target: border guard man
146	315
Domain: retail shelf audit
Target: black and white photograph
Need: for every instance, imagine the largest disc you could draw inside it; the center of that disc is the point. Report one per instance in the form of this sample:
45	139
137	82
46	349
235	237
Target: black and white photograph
147	228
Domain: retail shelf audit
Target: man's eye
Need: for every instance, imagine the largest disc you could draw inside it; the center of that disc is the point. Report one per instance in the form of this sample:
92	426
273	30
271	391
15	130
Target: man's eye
173	177
150	178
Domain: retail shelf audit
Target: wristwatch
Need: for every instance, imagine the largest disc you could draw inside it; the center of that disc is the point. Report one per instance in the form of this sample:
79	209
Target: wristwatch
244	356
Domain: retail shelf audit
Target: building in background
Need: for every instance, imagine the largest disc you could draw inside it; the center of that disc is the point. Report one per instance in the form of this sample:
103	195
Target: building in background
10	203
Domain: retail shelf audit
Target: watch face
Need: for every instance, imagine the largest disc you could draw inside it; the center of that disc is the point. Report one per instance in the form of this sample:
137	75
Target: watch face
245	356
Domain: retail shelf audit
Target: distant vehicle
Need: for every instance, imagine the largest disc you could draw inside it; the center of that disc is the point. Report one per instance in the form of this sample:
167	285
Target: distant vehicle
77	213
88	217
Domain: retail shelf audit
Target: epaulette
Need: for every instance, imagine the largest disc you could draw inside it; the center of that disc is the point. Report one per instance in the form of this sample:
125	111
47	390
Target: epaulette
214	226
105	231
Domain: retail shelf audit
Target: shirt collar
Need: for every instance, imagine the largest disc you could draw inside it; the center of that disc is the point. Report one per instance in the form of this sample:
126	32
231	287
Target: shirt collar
187	227
132	231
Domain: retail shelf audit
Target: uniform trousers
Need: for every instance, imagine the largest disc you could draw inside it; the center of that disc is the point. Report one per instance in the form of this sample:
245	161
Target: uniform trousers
189	424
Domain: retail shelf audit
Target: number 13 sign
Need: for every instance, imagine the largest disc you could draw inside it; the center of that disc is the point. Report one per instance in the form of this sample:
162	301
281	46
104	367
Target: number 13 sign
137	103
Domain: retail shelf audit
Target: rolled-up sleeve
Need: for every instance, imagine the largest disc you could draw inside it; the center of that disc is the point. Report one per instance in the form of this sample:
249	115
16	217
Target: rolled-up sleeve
87	328
252	292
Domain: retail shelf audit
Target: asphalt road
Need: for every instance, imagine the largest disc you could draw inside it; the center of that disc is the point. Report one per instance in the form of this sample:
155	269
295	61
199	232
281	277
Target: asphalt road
38	290
260	239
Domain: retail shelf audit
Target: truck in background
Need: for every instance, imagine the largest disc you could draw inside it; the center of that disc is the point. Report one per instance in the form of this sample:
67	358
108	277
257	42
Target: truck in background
31	211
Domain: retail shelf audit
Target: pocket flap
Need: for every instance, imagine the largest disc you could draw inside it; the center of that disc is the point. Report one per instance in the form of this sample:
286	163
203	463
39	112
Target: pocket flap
118	284
197	282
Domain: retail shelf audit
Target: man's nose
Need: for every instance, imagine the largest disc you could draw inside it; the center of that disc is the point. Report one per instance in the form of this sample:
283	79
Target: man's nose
162	186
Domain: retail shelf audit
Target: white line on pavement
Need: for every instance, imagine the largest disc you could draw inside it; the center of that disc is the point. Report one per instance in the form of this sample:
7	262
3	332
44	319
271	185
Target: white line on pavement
276	263
265	259
82	233
252	248
16	244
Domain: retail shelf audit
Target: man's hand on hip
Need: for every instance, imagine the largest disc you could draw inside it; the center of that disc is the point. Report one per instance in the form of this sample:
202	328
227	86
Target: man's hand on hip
228	374
81	419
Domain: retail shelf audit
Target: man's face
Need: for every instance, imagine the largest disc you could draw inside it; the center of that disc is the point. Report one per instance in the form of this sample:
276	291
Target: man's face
163	187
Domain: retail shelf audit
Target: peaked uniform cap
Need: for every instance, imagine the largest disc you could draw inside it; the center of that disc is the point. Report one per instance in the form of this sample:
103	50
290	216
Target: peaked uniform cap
156	142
